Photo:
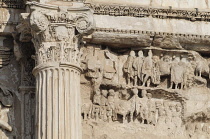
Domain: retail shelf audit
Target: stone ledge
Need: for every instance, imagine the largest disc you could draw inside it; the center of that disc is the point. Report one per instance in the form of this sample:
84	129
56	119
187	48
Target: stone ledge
117	38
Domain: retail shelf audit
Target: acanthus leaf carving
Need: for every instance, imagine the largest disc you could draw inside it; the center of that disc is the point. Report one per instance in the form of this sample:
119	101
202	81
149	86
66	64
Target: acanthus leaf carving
61	29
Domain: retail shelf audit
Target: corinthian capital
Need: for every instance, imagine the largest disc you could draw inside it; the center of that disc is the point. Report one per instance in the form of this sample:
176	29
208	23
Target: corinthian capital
57	30
46	19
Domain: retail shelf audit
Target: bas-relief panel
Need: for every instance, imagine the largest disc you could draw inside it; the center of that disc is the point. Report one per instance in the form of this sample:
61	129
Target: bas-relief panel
147	92
9	95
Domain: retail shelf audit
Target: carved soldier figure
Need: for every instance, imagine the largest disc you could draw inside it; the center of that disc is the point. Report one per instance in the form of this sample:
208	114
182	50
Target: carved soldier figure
186	71
161	113
151	109
143	107
111	101
190	127
104	100
135	102
177	73
128	68
147	69
198	128
199	67
94	70
96	104
109	113
97	97
96	112
165	65
176	116
124	95
87	110
137	65
104	103
156	70
168	109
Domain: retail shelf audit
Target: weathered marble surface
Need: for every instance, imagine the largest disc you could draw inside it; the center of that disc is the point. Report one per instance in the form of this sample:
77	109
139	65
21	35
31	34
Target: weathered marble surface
116	73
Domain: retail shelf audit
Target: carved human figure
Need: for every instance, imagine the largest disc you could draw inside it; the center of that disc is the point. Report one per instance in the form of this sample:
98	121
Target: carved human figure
96	112
143	107
190	128
155	70
147	69
137	65
111	102
128	68
124	95
135	103
96	104
151	110
97	97
94	70
177	73
3	124
199	67
104	95
168	109
186	71
86	110
165	65
104	103
109	113
176	116
161	113
110	66
198	128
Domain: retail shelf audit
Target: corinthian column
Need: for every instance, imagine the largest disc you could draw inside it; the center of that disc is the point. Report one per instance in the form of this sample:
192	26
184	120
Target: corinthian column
57	31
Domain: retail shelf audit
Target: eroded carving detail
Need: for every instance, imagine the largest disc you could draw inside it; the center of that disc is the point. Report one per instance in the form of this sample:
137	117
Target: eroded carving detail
6	99
144	11
147	89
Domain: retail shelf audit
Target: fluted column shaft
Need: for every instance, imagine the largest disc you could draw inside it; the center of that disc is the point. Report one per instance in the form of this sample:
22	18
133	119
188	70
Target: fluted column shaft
56	33
58	103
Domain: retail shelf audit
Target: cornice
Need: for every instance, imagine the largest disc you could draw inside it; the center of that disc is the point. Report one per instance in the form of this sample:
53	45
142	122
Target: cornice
55	7
150	33
37	4
144	11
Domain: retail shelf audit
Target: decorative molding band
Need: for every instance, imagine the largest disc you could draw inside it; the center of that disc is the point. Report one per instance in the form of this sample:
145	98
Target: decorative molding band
143	11
150	33
15	4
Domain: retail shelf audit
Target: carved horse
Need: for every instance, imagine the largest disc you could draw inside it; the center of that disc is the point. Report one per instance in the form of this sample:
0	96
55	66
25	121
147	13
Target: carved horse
125	107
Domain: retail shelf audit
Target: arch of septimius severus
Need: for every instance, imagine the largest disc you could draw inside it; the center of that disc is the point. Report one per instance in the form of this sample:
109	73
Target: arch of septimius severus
105	69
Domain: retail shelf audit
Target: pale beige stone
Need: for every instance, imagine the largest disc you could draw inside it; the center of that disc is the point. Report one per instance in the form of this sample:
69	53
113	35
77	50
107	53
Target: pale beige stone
102	69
